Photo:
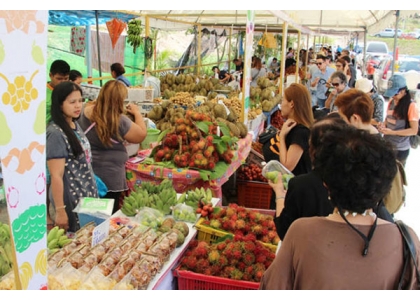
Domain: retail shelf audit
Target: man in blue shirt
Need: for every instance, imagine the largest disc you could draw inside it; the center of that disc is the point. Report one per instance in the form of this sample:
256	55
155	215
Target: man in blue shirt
319	78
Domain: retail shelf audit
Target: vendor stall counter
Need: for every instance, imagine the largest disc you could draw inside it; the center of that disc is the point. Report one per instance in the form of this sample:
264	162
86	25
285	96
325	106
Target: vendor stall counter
186	179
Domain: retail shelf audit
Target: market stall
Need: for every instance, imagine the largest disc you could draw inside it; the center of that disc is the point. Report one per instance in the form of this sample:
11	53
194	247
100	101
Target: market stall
184	179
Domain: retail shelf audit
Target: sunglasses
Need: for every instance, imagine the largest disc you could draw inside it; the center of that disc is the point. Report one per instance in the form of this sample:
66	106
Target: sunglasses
335	84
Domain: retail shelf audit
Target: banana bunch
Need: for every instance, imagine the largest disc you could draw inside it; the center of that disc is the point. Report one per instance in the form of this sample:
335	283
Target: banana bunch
196	198
133	34
6	256
165	200
137	199
57	239
160	196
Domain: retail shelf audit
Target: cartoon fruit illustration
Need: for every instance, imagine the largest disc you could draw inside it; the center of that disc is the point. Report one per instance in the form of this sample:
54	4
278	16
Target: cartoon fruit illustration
6	133
41	262
2	53
39	125
19	93
37	54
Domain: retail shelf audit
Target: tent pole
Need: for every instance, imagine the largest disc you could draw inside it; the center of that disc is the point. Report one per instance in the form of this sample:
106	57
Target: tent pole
88	57
97	44
394	54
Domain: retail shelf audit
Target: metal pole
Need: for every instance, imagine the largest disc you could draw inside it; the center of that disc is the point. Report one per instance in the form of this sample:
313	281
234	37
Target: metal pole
394	54
364	53
97	44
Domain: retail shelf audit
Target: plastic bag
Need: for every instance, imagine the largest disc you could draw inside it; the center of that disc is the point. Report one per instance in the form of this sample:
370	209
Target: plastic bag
275	165
183	212
150	217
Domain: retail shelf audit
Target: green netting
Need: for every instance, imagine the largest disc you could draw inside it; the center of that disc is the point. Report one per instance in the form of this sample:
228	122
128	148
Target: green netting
59	45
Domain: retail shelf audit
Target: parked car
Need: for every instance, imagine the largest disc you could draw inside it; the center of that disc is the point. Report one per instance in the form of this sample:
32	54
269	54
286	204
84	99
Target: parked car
383	70
388	32
374	48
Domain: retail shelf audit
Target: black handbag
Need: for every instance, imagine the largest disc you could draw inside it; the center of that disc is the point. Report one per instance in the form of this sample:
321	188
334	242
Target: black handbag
409	253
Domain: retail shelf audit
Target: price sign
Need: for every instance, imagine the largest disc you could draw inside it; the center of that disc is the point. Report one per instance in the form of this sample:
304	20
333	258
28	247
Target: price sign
100	232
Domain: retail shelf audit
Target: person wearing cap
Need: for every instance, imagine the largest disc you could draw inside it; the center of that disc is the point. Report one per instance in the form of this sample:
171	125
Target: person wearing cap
402	118
366	86
351	248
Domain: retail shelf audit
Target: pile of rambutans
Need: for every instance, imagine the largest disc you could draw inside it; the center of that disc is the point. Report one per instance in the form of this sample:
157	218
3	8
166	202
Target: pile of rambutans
239	257
243	222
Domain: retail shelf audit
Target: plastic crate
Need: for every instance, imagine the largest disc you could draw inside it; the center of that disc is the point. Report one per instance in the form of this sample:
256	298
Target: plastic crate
188	280
210	235
254	194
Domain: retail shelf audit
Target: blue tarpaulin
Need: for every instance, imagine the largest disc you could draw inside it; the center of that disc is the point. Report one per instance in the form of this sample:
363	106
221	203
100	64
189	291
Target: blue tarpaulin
85	17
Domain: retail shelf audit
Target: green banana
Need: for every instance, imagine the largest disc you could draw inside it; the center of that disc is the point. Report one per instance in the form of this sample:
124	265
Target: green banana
182	198
62	242
52	234
53	244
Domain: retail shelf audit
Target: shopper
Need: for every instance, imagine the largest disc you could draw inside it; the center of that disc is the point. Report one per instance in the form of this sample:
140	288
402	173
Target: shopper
291	145
107	127
366	86
75	76
402	118
223	75
117	72
320	78
59	72
68	156
257	71
350	249
338	85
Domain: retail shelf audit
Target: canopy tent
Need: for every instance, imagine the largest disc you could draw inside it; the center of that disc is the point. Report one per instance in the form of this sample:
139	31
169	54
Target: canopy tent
312	22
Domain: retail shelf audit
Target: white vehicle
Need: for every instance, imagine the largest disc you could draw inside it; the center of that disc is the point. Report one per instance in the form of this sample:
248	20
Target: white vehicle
388	32
407	66
374	48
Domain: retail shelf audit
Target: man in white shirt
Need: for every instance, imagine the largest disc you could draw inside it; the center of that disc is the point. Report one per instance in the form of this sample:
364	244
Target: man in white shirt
151	81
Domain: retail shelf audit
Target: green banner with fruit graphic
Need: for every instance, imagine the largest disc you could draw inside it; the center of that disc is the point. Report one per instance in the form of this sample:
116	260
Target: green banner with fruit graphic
23	50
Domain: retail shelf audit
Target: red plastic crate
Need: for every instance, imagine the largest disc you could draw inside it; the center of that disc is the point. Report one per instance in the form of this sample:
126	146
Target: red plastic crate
188	280
254	194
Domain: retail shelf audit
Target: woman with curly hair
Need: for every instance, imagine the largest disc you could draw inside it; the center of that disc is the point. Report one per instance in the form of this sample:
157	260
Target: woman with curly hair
107	127
351	248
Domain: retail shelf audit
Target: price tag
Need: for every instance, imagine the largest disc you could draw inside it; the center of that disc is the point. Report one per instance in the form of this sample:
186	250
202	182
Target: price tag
100	232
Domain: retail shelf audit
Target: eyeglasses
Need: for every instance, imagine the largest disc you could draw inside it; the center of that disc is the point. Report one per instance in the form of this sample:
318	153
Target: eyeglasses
319	63
335	84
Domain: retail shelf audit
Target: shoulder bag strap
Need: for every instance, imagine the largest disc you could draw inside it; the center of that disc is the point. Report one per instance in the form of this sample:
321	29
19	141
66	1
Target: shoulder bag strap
90	127
408	247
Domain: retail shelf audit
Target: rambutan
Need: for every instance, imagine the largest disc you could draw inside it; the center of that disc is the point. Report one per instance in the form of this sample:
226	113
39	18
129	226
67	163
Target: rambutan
249	258
250	237
242	215
260	259
191	263
230	211
215	270
241	266
236	274
221	246
214	256
271	235
258	275
215	223
248	246
237	254
248	277
238	235
264	231
223	261
257	229
265	239
202	265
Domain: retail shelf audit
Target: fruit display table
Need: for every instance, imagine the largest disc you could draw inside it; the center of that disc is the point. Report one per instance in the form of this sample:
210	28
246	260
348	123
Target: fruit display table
165	280
185	179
